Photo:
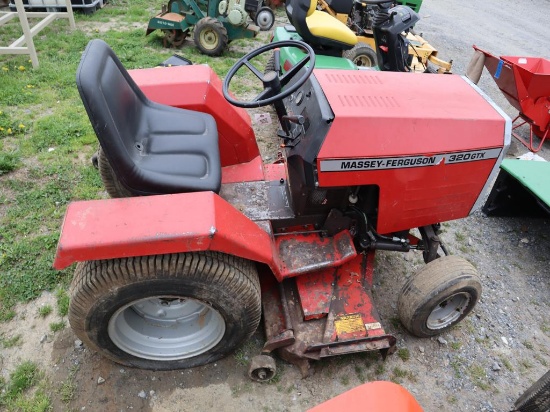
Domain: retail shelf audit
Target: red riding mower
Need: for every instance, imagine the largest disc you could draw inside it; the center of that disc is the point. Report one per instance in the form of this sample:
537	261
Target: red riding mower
177	275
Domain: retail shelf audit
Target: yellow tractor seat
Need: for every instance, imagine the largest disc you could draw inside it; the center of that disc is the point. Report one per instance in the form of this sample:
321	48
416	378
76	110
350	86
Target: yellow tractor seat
322	24
319	29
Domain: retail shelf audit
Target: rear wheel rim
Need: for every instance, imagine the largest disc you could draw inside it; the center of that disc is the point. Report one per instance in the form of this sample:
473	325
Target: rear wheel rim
209	39
448	311
363	61
166	328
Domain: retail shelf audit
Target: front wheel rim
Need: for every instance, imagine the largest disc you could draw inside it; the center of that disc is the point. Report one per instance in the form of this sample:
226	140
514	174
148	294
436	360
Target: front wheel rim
166	328
448	311
264	19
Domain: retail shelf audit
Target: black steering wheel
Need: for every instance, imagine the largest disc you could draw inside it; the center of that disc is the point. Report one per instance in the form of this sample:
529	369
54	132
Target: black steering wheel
272	82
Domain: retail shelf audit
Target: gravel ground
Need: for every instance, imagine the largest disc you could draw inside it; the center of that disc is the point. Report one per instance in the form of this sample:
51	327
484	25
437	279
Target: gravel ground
482	365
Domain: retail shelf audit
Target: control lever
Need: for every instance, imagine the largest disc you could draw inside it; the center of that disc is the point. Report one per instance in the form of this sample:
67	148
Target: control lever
294	132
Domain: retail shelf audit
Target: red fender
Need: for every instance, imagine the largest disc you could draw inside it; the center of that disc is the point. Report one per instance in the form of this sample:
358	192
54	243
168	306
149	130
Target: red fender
377	396
153	225
197	87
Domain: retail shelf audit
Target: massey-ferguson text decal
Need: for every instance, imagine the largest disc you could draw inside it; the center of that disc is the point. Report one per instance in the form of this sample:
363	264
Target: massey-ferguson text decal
345	165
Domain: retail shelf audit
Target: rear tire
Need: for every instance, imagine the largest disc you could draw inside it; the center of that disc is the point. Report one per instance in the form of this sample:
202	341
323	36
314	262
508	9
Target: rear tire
165	312
112	184
537	397
439	296
362	55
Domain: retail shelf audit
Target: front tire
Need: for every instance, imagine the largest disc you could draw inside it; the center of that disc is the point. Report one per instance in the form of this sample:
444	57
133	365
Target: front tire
439	296
165	312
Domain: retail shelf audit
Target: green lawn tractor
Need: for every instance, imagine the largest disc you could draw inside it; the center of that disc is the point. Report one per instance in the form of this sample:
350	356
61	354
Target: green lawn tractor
359	16
340	44
215	23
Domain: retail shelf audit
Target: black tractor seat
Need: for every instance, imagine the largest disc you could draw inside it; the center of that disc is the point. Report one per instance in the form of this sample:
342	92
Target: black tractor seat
152	148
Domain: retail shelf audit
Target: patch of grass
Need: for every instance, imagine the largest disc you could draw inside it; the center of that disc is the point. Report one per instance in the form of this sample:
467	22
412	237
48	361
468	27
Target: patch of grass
9	161
5	313
344	380
526	364
468	325
457	365
380	369
507	364
22	378
244	353
44	311
62	302
541	360
479	377
10	127
404	354
483	341
453	400
11	342
399	374
68	388
528	344
460	237
57	326
360	373
241	357
456	345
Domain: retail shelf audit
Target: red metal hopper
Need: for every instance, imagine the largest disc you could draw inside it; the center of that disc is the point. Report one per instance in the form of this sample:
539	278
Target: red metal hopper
525	82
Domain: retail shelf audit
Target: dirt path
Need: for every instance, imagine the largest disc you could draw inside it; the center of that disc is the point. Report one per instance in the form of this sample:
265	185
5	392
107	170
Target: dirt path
483	365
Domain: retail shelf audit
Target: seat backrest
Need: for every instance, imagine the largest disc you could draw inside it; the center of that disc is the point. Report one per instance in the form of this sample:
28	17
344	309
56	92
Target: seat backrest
114	103
297	11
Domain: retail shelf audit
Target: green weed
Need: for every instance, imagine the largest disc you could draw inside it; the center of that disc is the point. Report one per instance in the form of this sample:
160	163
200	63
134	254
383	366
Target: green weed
478	376
62	302
44	311
22	378
404	354
11	342
57	326
507	364
360	373
456	345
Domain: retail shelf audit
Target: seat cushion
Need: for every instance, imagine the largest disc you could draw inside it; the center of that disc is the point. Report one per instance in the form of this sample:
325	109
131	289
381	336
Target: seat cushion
175	151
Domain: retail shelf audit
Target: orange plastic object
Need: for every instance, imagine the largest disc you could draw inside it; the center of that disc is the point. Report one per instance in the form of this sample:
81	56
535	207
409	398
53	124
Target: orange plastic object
377	396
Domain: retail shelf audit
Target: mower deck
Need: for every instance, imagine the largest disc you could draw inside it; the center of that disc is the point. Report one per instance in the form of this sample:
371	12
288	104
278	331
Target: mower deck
325	313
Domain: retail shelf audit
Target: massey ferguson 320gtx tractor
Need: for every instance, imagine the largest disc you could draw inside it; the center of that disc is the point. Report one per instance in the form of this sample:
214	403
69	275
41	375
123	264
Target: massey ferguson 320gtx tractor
202	237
